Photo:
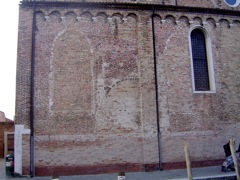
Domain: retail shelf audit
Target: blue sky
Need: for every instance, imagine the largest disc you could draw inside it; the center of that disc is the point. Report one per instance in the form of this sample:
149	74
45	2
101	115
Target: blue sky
8	56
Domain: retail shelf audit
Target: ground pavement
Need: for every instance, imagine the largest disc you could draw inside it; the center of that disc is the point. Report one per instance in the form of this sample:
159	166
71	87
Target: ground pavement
209	173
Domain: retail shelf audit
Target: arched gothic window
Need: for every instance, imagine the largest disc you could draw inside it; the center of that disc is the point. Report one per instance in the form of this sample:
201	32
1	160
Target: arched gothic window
201	66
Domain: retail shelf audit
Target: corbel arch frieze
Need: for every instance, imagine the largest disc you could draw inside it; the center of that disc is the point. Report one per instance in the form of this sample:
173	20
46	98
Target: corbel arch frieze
40	16
224	23
85	16
71	13
211	22
101	17
63	15
55	15
132	17
125	17
70	16
197	20
157	18
202	21
236	23
169	19
117	17
183	20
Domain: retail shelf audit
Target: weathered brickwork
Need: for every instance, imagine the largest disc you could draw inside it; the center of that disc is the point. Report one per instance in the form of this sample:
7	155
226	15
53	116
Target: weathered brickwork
205	121
95	96
23	67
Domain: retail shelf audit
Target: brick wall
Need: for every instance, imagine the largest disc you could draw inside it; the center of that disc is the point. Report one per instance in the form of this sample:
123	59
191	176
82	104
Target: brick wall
6	125
94	88
23	77
205	121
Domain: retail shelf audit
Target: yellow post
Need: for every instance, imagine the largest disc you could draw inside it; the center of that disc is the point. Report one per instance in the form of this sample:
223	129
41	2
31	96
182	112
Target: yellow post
188	162
234	158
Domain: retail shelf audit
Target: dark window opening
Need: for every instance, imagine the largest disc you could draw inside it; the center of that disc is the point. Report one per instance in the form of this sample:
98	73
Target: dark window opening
200	64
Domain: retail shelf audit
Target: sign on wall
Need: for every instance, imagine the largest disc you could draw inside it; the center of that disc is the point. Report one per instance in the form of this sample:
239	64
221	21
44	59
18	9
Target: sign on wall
232	3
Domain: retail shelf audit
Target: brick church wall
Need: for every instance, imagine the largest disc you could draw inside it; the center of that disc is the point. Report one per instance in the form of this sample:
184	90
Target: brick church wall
94	88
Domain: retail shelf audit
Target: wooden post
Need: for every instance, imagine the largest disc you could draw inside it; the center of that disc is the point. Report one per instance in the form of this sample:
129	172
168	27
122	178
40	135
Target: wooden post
234	158
188	162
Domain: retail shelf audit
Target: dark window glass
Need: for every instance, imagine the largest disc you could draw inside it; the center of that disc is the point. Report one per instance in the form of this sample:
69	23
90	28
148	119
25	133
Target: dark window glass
200	65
